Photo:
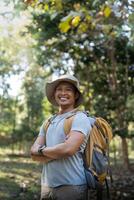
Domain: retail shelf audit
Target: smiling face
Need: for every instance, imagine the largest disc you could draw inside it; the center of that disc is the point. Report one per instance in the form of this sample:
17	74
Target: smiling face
66	95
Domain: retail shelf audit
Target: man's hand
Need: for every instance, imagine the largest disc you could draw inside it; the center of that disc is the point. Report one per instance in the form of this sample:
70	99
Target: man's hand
35	148
35	155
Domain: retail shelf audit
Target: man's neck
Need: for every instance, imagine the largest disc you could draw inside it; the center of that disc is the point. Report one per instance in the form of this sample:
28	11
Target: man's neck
65	110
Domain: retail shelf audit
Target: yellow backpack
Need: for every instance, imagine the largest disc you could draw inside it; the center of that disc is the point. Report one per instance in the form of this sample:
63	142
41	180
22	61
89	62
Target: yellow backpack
96	155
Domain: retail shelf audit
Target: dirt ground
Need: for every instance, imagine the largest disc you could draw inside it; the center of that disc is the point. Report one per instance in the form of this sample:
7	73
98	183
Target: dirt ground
20	180
122	187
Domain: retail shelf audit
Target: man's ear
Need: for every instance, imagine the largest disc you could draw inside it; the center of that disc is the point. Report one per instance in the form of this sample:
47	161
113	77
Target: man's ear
76	95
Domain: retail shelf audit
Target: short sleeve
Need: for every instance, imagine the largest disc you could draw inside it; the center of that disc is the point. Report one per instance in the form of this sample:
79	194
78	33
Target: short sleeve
81	123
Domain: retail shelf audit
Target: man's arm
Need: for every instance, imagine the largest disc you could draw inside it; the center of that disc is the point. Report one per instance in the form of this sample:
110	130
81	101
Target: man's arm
34	151
66	149
40	158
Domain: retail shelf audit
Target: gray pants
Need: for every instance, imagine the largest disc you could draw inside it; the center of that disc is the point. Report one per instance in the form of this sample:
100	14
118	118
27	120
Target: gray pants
65	192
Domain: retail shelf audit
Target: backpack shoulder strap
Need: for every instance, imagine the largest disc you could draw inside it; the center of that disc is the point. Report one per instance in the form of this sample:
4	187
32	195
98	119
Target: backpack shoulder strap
68	124
69	120
67	127
46	124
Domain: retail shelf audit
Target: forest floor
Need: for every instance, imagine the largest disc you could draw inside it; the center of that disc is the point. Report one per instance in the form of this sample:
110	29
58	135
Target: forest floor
20	179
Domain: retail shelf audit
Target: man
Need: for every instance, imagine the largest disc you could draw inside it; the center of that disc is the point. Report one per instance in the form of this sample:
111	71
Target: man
63	176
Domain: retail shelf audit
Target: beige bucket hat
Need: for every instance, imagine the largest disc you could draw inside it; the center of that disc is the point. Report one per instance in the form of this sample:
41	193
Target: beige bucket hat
51	86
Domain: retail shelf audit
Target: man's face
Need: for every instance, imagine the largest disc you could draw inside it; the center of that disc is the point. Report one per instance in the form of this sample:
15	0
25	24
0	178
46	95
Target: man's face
65	94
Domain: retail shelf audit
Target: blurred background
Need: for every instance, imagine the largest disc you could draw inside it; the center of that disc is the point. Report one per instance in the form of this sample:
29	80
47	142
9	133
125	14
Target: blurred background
41	39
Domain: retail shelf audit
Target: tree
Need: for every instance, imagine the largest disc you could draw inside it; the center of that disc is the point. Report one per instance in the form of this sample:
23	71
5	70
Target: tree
15	58
97	39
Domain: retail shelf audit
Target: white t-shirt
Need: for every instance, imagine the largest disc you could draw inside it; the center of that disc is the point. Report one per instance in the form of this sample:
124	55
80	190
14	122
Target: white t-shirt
65	171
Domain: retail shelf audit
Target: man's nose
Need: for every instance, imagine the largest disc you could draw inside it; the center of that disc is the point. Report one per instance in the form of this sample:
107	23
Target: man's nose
63	92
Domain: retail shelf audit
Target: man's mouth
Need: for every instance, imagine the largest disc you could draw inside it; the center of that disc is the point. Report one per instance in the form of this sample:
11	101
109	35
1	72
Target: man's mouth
63	98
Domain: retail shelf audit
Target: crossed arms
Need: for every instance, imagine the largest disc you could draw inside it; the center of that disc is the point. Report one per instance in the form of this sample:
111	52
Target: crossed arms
59	151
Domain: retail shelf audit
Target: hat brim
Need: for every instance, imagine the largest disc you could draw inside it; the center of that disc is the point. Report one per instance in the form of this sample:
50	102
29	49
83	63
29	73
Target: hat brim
50	90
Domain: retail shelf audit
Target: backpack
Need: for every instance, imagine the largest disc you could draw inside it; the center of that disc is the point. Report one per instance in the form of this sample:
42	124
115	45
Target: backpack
96	154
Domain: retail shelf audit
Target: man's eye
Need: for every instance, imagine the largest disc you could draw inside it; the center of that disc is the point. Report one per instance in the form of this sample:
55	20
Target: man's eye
58	89
69	89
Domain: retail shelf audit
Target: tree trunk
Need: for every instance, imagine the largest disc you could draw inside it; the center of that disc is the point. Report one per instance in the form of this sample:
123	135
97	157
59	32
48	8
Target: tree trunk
120	110
122	126
114	150
125	153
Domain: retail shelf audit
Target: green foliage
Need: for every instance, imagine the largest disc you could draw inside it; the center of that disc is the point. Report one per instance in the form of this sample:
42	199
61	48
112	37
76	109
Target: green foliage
130	105
96	36
14	55
92	39
34	92
8	111
48	109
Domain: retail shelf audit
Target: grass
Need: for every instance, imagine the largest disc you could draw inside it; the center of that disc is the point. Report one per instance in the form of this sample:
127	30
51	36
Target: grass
19	177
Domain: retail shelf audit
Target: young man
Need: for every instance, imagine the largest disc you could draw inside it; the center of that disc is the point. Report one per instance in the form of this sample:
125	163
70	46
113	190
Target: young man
63	176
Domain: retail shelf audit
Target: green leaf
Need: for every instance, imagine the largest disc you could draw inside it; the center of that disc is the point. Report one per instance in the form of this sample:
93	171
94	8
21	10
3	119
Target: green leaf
75	21
65	25
46	7
107	11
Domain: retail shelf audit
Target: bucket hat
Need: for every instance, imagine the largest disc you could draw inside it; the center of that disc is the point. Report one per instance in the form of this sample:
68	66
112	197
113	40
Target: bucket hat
51	86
